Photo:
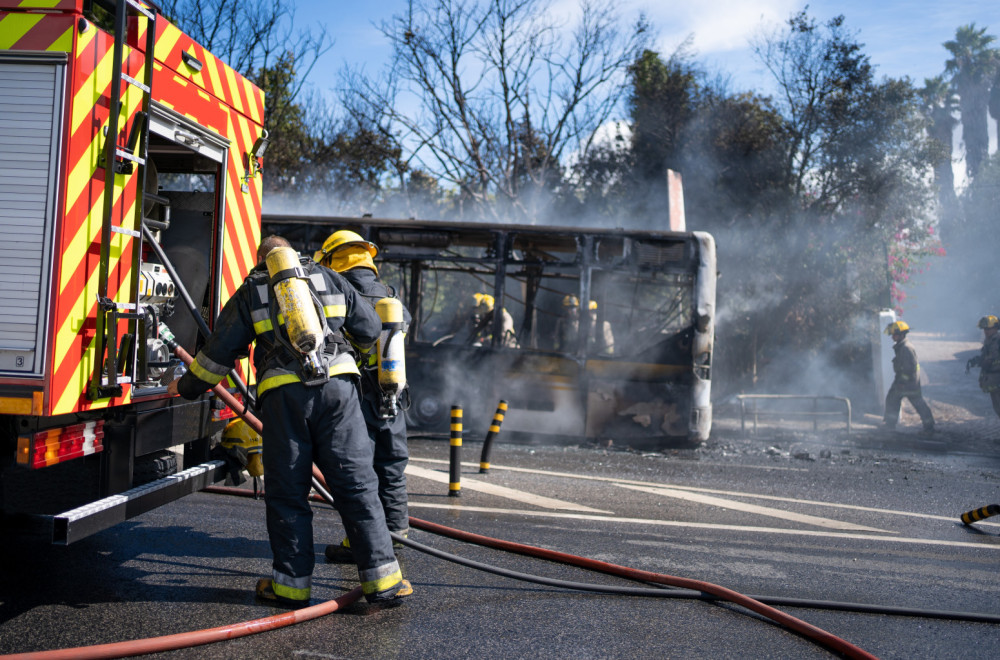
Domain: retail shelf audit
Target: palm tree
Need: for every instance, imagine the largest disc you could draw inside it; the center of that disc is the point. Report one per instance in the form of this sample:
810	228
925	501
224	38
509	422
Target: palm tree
939	106
973	66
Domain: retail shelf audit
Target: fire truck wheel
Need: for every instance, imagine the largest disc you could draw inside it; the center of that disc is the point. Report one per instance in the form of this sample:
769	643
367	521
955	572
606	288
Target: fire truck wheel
153	466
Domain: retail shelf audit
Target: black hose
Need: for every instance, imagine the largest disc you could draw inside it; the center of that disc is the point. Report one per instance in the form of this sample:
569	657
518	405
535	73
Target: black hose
660	592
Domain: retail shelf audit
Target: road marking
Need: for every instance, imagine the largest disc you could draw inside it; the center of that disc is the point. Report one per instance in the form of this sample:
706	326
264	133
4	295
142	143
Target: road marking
775	498
501	491
712	526
754	508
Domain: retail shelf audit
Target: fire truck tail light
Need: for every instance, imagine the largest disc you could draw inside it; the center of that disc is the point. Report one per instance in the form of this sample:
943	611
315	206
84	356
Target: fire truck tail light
60	444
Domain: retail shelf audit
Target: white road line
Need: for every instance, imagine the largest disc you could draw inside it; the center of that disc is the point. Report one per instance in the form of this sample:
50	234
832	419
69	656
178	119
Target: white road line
754	508
774	498
695	525
501	491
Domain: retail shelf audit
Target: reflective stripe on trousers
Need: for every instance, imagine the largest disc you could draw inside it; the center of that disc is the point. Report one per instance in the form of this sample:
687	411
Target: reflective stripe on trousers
322	425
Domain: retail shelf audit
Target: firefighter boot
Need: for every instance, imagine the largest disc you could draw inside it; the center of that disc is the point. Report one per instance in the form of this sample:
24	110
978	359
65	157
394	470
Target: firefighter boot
265	593
340	553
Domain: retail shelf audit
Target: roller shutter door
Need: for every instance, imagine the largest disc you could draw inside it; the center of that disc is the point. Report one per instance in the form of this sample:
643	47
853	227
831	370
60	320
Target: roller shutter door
31	90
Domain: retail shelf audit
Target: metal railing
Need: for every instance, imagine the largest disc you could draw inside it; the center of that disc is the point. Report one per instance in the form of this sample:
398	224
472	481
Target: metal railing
815	413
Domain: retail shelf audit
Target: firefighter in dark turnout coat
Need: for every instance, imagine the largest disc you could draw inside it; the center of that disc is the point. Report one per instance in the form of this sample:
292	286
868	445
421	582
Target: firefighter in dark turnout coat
305	424
906	384
352	256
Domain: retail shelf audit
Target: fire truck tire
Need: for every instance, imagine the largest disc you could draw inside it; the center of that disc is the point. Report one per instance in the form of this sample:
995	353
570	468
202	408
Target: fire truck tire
153	466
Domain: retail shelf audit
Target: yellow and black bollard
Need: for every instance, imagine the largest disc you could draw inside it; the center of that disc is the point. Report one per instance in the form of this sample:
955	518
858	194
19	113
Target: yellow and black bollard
455	467
484	458
976	515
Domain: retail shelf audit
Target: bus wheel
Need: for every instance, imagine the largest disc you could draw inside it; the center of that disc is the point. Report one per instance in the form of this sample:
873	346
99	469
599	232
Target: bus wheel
427	412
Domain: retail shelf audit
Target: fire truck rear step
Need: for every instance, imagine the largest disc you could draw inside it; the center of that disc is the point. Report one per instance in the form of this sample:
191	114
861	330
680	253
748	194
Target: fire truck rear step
76	524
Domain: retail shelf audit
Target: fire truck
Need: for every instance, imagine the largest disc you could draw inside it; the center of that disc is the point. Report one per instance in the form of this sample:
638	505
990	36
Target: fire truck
130	197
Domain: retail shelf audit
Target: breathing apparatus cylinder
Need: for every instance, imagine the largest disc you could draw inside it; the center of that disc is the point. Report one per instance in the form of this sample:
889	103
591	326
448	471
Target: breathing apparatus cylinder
391	358
289	282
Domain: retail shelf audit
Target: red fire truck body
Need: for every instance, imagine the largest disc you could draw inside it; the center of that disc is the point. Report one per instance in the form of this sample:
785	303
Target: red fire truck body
129	181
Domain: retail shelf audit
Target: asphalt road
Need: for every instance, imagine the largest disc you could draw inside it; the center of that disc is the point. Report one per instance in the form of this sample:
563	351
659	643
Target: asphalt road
869	518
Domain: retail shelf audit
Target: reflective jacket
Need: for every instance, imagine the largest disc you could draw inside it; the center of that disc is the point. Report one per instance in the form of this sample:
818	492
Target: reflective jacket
247	318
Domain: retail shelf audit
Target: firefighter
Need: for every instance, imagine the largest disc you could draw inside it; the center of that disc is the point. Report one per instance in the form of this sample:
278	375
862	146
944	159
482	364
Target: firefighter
988	360
482	323
568	325
600	338
310	413
352	256
906	384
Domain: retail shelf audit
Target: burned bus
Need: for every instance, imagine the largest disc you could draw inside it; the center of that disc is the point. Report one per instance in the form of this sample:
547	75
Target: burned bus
588	334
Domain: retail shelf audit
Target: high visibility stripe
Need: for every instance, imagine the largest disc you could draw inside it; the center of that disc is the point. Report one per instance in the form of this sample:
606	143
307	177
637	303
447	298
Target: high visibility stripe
335	311
284	379
202	363
383	578
293	588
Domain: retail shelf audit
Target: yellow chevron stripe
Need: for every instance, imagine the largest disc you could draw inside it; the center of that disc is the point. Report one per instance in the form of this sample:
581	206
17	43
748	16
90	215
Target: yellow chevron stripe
14	26
37	4
248	89
233	90
77	184
64	43
93	87
167	41
213	65
68	332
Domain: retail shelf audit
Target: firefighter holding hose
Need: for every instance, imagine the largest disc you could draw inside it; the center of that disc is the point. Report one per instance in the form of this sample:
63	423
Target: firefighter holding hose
352	256
906	384
297	313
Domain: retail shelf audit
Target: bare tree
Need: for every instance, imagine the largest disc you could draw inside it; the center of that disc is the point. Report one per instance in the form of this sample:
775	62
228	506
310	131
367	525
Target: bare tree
491	96
255	37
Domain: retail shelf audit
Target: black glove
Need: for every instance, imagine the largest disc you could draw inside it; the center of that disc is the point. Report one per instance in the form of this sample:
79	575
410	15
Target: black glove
973	362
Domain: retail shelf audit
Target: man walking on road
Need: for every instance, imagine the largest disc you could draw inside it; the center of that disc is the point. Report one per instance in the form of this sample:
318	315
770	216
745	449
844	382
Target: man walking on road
906	384
307	419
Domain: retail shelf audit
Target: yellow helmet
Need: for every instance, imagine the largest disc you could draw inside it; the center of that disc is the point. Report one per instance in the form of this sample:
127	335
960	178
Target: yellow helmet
570	301
484	300
989	322
339	239
592	304
898	326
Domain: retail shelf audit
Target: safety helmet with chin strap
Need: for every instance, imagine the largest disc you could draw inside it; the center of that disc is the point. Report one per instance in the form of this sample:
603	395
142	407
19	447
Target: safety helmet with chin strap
342	238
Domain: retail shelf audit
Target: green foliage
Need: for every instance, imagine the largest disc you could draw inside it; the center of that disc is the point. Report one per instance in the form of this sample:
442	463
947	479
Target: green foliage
973	65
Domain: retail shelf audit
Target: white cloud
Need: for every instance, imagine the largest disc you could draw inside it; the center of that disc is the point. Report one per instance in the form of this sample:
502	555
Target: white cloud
719	26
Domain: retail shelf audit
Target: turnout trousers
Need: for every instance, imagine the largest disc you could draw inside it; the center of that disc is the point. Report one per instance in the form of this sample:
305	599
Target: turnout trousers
391	456
323	425
894	400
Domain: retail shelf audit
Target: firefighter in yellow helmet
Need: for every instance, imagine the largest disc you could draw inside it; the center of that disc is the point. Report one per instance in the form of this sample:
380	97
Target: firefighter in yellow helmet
988	360
310	413
906	384
352	256
482	323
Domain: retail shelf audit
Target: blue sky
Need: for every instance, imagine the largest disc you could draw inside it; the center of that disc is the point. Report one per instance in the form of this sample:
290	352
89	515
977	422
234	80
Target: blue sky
902	37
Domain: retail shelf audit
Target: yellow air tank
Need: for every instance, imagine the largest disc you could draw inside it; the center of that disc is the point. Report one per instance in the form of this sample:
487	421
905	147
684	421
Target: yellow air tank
391	358
291	290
